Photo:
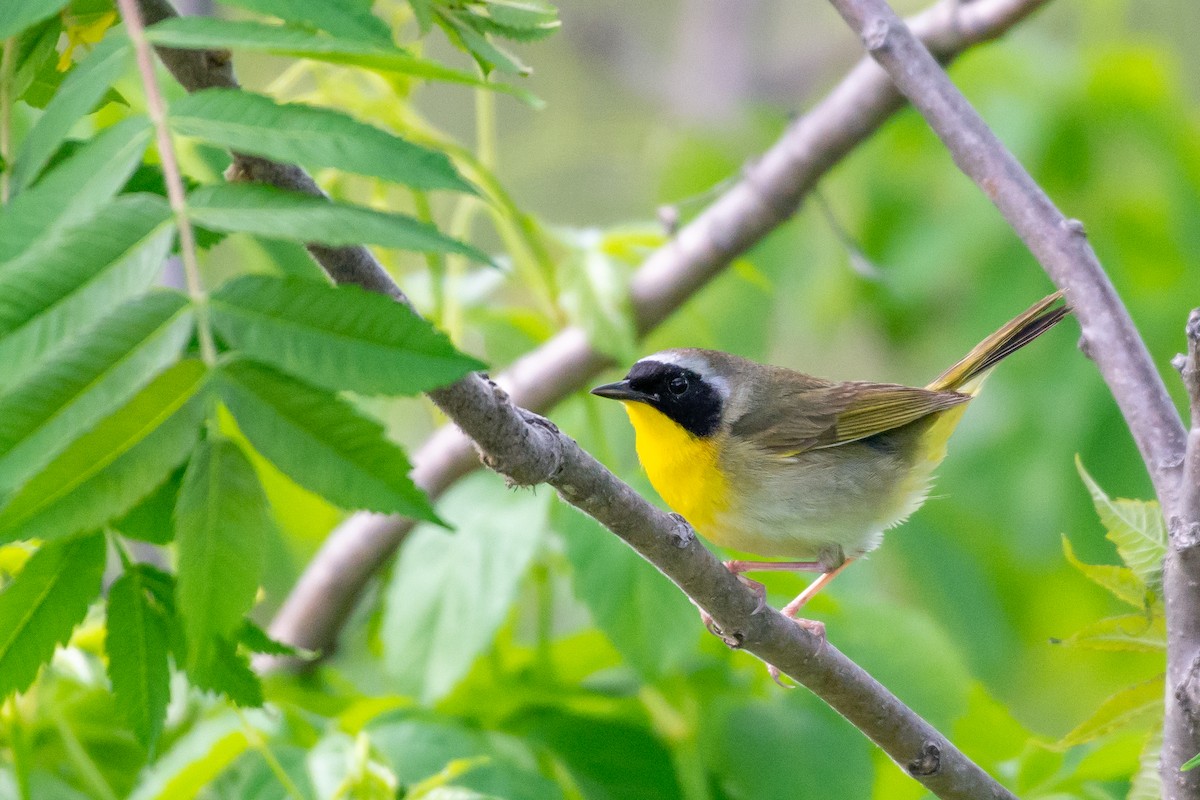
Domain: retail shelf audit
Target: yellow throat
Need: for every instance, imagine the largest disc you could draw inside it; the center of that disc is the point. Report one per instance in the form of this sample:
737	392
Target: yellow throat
682	468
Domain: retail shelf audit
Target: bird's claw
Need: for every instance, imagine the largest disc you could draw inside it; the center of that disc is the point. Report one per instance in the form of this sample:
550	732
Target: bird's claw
814	627
732	640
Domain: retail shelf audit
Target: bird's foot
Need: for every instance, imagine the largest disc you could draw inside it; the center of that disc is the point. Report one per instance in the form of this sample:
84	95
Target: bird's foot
760	591
814	627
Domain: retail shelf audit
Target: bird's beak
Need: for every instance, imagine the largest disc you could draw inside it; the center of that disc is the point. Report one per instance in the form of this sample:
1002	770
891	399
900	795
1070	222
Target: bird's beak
620	390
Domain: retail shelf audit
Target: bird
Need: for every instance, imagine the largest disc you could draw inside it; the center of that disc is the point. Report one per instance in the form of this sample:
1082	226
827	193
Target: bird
770	461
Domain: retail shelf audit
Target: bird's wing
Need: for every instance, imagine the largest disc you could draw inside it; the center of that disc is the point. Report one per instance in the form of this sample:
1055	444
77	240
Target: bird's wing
848	412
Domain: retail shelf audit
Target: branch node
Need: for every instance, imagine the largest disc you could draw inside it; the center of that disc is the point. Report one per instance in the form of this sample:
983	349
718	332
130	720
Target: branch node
1074	227
541	461
668	217
876	34
929	762
1179	362
1183	535
684	533
1085	347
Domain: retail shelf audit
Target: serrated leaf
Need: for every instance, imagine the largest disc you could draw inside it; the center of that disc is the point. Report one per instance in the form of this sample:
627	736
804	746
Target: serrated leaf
256	640
467	31
311	136
204	33
43	604
1147	781
222	524
20	14
1137	706
1136	527
77	96
1141	632
449	592
321	442
215	665
338	337
107	471
137	643
35	76
1120	581
273	213
87	380
153	518
351	19
50	294
73	190
642	613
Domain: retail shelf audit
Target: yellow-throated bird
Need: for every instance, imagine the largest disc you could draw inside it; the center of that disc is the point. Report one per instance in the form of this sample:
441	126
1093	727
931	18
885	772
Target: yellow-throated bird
774	462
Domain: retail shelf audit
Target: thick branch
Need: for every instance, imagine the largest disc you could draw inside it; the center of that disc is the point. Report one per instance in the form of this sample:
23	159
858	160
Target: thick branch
769	192
1181	591
1058	243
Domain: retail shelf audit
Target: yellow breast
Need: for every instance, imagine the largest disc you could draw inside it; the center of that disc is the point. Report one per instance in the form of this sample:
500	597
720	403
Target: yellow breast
682	468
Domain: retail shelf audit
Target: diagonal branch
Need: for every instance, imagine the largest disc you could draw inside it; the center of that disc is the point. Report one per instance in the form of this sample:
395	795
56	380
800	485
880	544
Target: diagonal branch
1109	338
769	192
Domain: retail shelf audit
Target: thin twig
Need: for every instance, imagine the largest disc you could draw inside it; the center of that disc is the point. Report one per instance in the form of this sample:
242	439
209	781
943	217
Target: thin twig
156	106
769	192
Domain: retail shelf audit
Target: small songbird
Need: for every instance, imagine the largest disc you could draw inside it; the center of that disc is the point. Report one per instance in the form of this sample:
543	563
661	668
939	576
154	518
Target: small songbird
771	461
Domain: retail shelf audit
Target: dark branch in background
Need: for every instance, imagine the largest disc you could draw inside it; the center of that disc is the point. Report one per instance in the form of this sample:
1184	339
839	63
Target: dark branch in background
1109	338
1181	591
528	449
770	191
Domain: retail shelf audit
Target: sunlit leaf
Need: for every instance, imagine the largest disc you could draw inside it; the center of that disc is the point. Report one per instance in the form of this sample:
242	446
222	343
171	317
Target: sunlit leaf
108	470
222	523
273	213
351	19
321	442
342	766
75	189
311	136
1143	632
1136	527
50	294
450	592
201	33
68	395
20	14
1147	781
339	337
200	755
1137	706
136	642
43	604
1121	581
77	96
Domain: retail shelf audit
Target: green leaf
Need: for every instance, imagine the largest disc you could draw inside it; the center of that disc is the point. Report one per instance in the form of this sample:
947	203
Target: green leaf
273	213
1139	706
108	470
75	189
351	19
449	593
1141	632
1121	581
215	665
136	643
1136	527
321	442
646	617
153	518
77	96
314	137
256	640
1191	763
52	293
1147	781
85	381
338	337
595	295
20	14
206	33
222	524
200	755
43	604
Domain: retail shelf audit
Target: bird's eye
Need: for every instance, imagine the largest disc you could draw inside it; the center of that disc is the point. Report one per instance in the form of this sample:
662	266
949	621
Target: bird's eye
678	385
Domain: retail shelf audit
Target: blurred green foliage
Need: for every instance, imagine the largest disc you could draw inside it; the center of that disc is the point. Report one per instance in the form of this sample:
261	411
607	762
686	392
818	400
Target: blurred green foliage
530	654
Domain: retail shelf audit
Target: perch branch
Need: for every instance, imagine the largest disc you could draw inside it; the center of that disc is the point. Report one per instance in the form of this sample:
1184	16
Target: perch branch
1109	338
770	190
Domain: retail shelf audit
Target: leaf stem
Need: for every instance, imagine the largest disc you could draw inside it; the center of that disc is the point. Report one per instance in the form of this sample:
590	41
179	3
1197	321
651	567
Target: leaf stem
6	79
436	261
157	108
254	737
80	759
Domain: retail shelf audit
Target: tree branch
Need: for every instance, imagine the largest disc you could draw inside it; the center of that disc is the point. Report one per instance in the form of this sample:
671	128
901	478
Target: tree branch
1181	592
770	191
1109	338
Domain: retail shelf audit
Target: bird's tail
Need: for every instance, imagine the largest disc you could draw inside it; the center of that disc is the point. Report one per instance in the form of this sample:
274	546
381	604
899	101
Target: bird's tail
966	375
